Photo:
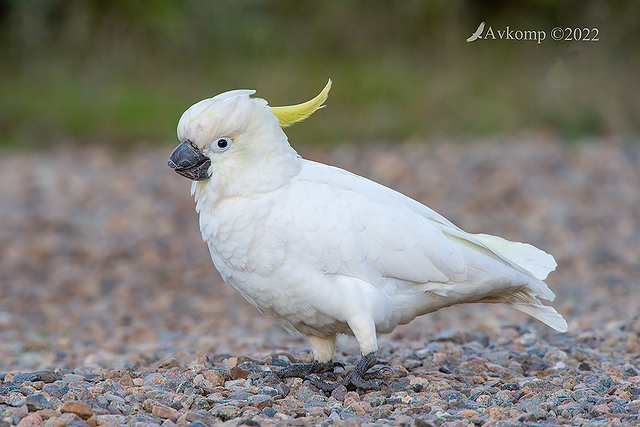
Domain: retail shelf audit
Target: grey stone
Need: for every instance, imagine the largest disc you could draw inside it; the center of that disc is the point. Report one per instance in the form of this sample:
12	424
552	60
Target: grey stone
540	385
503	397
72	378
399	384
616	408
101	401
419	422
251	367
9	386
603	384
200	404
428	350
339	393
305	394
412	363
202	417
468	404
22	377
453	336
261	401
283	390
268	412
187	387
70	419
582	394
239	394
144	418
449	395
113	398
630	370
269	391
56	390
37	401
226	412
374	399
15	399
161	397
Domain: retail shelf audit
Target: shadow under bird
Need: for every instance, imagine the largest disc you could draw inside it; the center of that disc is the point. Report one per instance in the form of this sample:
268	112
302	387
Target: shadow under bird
327	252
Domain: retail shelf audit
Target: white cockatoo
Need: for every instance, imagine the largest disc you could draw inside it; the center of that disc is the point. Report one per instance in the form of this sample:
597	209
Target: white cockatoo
327	252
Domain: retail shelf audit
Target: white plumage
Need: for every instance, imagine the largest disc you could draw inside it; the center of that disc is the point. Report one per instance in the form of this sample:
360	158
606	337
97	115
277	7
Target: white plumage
328	252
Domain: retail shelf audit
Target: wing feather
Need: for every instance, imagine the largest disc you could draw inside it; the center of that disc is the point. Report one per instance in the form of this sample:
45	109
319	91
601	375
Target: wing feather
395	236
372	230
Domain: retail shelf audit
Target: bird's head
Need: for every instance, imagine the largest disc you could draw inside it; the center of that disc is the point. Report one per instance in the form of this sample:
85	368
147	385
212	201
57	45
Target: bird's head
233	134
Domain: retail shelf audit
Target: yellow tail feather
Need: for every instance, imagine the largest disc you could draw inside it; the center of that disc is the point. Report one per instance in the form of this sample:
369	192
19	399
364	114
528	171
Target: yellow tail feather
291	114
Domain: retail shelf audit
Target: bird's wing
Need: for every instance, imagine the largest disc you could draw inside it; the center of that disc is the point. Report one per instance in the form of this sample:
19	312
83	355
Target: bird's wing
357	227
350	226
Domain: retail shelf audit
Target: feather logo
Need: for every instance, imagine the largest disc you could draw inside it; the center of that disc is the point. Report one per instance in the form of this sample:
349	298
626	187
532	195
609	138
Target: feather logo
477	34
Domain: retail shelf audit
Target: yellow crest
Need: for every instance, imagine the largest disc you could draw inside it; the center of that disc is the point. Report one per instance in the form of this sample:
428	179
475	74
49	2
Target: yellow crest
296	113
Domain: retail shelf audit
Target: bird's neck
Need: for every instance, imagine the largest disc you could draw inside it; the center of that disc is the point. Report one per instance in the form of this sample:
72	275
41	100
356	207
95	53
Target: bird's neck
267	173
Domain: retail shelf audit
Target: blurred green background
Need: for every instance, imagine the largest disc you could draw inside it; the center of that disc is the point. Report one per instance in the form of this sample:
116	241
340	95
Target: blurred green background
122	72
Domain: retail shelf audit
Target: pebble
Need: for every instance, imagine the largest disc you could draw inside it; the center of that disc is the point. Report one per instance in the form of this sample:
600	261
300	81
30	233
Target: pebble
71	378
465	394
163	411
82	410
214	377
261	401
15	399
37	401
226	412
33	419
339	393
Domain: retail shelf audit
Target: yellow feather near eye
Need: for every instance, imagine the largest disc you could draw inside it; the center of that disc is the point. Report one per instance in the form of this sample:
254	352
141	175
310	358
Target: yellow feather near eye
296	113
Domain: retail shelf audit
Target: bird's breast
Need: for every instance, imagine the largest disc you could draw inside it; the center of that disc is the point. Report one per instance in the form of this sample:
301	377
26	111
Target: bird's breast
242	236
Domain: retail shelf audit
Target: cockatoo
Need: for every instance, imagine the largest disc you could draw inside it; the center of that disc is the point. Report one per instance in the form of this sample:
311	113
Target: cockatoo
328	252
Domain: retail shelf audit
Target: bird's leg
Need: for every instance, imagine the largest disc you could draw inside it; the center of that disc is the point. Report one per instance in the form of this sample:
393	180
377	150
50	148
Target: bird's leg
364	329
356	376
323	349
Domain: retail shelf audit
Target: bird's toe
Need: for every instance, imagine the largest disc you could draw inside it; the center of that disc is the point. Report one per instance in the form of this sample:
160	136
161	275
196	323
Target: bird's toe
323	385
359	382
379	373
303	370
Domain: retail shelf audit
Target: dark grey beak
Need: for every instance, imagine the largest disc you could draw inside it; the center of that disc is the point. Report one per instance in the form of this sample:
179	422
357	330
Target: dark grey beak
188	161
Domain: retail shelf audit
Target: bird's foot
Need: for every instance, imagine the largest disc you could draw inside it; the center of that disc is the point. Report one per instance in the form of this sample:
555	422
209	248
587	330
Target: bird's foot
379	373
356	377
304	369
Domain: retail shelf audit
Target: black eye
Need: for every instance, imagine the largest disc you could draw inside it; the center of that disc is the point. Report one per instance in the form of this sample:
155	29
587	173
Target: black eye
222	143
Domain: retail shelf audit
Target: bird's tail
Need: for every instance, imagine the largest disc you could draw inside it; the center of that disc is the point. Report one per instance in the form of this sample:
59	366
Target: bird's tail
530	305
535	261
539	264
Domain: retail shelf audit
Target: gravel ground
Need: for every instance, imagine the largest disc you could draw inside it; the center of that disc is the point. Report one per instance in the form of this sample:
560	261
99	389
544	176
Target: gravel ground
111	312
